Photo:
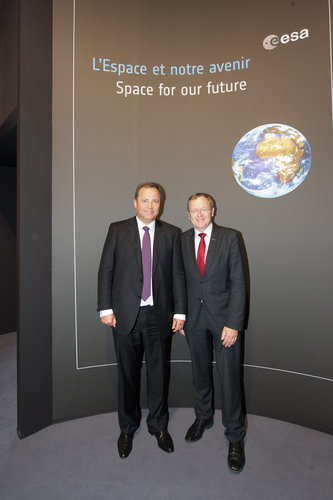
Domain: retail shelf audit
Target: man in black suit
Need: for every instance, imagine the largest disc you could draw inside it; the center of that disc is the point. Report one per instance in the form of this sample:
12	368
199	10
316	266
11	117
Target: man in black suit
142	296
216	290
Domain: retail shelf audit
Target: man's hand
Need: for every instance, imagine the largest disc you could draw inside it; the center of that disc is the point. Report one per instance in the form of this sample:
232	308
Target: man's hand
182	331
177	324
229	336
109	320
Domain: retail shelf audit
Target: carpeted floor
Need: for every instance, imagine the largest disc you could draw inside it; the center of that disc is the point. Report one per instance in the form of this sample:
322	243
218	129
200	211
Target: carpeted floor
79	460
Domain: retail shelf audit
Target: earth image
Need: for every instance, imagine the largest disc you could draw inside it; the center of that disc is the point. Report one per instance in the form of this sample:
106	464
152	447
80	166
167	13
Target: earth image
271	160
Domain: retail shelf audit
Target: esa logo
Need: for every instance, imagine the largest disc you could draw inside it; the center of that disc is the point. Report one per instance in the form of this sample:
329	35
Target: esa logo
272	41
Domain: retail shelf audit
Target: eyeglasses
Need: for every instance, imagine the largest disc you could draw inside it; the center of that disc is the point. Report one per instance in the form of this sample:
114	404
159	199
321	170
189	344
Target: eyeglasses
204	211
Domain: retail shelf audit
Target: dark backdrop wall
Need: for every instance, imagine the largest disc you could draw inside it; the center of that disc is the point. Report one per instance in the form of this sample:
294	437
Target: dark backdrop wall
8	249
8	121
34	231
164	91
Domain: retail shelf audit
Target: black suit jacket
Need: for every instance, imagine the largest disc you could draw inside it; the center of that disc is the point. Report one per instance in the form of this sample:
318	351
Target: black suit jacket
120	275
222	287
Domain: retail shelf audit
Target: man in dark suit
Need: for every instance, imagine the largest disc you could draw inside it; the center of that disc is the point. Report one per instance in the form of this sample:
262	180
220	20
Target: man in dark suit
142	296
216	290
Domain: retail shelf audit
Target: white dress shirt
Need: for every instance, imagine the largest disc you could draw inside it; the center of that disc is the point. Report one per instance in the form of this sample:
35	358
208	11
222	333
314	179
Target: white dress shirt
197	239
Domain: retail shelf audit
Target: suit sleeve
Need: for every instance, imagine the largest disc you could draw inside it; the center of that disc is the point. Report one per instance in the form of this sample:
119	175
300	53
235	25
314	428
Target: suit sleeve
178	278
106	272
237	303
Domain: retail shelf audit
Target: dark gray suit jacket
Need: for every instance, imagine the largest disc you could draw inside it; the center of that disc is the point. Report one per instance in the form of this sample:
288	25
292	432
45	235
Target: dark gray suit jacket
222	287
120	276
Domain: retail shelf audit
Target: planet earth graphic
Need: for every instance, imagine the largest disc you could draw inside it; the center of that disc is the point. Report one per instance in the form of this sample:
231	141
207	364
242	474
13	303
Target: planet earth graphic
271	160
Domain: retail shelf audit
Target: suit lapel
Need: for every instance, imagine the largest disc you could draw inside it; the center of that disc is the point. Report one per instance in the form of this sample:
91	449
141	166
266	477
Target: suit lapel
210	258
135	240
190	251
158	243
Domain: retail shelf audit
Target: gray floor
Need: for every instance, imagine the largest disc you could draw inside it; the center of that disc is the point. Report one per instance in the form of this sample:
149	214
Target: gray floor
79	460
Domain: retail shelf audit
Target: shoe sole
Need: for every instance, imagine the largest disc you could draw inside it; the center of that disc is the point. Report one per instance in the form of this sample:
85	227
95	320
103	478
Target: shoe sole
209	426
235	471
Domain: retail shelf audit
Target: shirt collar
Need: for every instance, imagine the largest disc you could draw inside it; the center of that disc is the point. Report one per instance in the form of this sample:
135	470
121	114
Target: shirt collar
142	224
207	231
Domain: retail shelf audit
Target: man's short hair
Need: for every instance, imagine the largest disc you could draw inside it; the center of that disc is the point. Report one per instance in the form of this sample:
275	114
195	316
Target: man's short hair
153	185
201	195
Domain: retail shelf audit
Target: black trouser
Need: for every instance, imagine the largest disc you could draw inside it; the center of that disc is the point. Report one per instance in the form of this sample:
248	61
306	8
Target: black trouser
144	339
202	340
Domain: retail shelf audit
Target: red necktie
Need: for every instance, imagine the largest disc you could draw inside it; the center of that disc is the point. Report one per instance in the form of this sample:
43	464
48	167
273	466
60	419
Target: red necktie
201	253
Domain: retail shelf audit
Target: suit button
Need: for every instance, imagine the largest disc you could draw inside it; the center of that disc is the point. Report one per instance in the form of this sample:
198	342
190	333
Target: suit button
201	301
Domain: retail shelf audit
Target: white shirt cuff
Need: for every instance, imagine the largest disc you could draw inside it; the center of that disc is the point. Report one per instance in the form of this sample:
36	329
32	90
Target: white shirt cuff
110	311
180	316
105	312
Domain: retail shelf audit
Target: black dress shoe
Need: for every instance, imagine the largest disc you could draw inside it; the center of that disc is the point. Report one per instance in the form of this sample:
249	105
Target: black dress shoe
236	457
125	445
164	440
196	430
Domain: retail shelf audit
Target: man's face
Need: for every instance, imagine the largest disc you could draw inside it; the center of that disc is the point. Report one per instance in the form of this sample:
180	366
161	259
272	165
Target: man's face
200	213
147	204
